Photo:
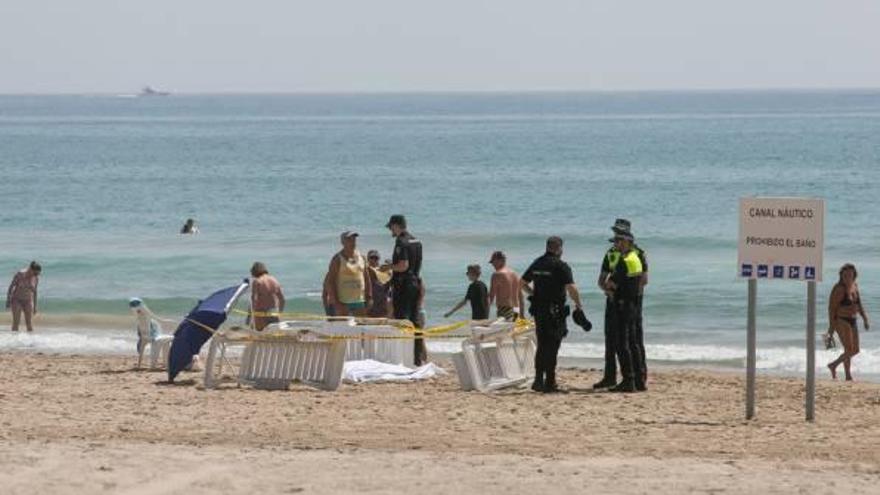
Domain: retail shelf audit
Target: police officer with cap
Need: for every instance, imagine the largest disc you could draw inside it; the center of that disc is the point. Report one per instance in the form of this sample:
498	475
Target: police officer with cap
624	287
547	281
609	262
406	265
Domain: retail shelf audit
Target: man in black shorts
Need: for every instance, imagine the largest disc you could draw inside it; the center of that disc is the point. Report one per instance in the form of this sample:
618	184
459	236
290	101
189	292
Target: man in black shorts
547	281
406	263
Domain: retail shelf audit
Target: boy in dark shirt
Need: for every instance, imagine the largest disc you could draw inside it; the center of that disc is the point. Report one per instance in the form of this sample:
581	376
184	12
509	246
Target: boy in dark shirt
477	294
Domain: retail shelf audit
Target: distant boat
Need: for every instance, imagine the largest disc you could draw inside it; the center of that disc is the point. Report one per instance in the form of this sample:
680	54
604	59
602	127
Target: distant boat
148	91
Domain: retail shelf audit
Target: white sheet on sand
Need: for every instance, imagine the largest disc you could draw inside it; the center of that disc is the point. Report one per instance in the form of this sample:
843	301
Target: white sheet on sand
369	370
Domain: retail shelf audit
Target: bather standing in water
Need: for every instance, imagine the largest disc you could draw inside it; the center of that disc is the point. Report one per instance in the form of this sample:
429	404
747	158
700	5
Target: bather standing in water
21	297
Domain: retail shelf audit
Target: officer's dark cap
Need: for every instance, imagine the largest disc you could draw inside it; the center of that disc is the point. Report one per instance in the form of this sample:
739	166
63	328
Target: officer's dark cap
622	225
581	319
554	242
398	220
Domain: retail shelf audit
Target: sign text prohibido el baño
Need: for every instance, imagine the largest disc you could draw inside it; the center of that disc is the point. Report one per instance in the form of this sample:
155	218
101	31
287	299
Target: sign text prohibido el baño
781	238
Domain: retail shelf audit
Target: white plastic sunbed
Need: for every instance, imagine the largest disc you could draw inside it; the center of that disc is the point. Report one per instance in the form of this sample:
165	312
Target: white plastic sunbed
496	356
311	352
378	339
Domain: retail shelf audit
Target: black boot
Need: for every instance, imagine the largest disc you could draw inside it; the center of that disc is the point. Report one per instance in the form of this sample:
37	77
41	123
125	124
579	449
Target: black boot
550	386
604	383
625	386
553	388
538	384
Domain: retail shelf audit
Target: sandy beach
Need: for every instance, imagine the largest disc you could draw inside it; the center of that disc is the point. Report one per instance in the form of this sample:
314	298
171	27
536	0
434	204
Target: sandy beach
88	424
682	187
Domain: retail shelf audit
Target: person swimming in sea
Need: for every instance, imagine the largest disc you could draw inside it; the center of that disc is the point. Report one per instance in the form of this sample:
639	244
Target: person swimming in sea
189	227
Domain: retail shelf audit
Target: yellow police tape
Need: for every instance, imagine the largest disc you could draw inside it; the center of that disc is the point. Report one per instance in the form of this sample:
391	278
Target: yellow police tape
410	331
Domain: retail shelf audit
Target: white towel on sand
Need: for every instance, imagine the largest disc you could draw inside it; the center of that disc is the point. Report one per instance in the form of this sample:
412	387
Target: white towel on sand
369	370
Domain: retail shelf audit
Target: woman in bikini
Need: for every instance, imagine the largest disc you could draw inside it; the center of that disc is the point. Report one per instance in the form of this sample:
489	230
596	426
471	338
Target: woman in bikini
844	304
21	297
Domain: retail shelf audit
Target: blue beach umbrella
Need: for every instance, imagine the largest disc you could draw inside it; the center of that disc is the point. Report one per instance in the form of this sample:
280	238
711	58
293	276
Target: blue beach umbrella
199	325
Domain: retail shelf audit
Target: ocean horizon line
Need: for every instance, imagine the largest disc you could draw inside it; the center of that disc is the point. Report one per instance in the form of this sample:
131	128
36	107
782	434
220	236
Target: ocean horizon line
473	92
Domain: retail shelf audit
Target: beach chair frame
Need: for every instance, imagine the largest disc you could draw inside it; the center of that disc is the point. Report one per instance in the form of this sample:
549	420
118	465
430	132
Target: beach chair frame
495	357
273	360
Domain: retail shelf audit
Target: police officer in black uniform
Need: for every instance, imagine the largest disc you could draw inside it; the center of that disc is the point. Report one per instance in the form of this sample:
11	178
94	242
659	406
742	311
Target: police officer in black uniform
609	262
625	286
406	264
547	281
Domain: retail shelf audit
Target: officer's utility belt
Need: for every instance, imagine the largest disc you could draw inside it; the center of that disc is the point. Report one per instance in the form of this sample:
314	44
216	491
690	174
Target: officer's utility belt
405	279
555	311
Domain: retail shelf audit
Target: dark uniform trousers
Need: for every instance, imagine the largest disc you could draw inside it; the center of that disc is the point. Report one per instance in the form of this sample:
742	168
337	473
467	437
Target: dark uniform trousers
638	347
405	297
550	330
626	344
610	338
640	344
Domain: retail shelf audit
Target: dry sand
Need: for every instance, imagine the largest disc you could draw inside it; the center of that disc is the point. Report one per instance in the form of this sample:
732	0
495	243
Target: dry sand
73	424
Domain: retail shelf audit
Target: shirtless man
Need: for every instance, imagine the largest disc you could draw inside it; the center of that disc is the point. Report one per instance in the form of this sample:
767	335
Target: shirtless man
266	296
505	289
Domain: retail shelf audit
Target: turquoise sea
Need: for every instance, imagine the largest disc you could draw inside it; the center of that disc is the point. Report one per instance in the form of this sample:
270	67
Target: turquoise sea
96	187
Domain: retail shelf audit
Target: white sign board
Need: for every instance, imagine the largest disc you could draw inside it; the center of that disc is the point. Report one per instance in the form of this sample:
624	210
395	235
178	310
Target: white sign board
781	238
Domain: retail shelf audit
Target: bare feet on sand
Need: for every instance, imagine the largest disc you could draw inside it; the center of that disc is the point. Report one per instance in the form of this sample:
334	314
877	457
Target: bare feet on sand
833	371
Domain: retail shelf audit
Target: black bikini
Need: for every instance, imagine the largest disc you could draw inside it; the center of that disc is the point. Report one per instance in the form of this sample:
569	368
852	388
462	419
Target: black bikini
847	301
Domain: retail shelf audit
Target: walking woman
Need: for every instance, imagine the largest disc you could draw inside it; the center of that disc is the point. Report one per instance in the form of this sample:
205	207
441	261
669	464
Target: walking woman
844	304
22	295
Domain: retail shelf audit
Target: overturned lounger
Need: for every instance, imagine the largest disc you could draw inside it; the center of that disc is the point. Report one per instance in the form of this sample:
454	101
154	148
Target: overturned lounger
371	345
272	359
496	356
309	351
274	365
377	339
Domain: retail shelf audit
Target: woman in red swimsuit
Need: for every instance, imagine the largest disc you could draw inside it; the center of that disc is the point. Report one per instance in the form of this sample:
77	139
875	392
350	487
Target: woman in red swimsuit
844	304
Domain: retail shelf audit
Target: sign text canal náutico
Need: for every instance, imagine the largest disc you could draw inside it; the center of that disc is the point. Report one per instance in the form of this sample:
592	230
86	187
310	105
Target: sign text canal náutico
781	238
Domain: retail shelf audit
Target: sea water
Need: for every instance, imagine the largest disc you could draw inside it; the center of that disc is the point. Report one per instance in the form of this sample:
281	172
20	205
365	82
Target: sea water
96	187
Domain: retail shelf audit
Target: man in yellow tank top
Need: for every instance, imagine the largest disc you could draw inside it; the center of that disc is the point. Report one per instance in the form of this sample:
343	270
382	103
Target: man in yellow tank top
348	285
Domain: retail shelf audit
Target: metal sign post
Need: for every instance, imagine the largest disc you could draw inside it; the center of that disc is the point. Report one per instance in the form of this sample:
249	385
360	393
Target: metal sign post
751	354
810	403
781	239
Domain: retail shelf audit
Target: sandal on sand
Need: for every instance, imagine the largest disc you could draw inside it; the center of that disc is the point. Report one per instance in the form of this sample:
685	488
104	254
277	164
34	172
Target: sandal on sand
830	343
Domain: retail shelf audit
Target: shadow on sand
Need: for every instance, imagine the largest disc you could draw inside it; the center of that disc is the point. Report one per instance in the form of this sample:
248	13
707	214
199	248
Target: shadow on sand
176	383
128	370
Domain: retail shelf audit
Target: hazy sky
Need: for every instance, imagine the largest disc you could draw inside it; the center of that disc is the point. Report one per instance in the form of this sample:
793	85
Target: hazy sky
413	45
